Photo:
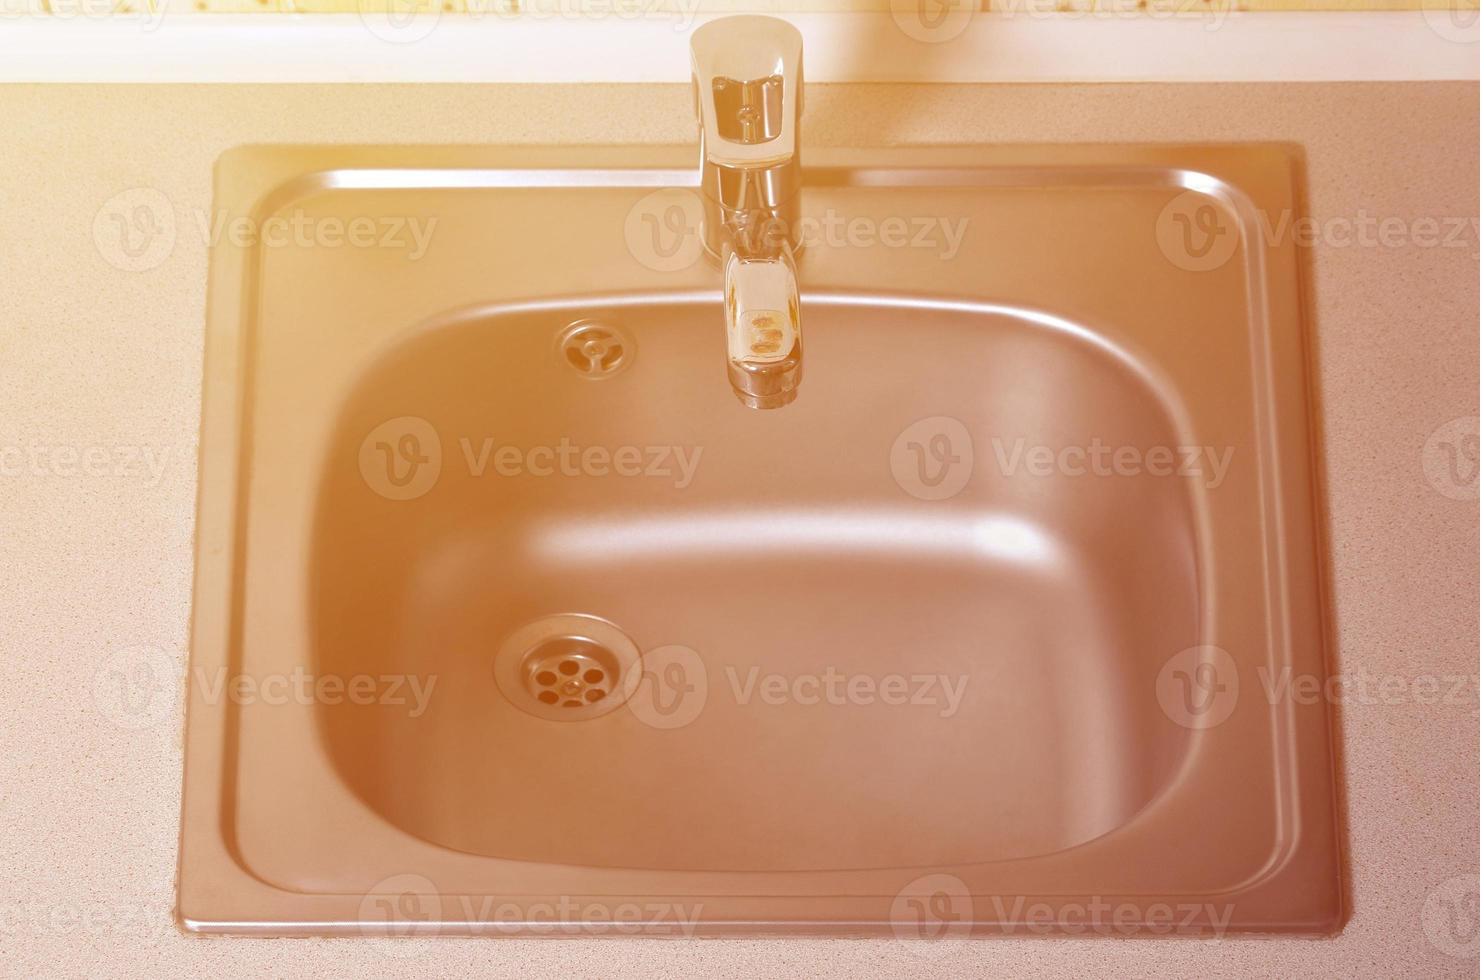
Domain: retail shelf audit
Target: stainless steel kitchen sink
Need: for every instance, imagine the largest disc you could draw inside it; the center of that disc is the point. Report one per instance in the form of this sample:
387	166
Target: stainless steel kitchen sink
980	633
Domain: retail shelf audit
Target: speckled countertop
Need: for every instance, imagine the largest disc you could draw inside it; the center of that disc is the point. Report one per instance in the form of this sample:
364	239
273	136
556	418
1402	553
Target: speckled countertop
99	403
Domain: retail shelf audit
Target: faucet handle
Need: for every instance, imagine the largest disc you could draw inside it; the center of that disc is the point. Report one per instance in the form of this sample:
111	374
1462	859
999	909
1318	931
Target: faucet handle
748	89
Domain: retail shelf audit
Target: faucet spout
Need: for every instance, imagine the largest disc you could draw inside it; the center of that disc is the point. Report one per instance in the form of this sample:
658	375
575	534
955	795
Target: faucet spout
763	327
748	94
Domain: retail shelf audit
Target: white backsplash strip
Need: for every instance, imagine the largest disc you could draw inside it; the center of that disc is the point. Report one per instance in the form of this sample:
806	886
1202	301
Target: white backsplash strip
430	46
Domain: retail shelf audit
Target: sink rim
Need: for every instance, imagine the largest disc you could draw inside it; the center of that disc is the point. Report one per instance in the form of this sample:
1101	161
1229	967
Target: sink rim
257	180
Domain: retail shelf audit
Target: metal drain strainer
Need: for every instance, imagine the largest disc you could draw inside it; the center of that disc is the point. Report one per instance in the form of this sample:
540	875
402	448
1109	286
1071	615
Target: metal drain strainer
569	667
571	672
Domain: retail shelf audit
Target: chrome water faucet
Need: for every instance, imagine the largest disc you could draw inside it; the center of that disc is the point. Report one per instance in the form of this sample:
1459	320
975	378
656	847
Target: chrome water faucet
748	95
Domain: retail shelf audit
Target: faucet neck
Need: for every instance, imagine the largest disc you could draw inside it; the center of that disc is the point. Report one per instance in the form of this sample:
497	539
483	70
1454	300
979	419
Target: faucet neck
748	95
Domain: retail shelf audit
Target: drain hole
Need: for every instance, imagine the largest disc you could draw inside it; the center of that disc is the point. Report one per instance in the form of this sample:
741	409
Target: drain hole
570	670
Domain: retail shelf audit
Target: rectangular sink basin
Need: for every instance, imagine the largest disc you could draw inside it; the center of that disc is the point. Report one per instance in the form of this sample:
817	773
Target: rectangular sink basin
511	619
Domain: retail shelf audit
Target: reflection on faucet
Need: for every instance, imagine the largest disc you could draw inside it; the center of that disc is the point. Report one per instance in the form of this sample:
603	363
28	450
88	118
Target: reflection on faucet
764	328
748	93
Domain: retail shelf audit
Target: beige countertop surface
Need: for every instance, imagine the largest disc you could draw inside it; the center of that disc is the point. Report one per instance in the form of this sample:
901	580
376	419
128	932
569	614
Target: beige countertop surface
100	399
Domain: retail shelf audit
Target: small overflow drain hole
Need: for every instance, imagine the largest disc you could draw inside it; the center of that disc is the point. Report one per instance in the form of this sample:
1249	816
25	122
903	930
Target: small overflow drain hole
596	350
